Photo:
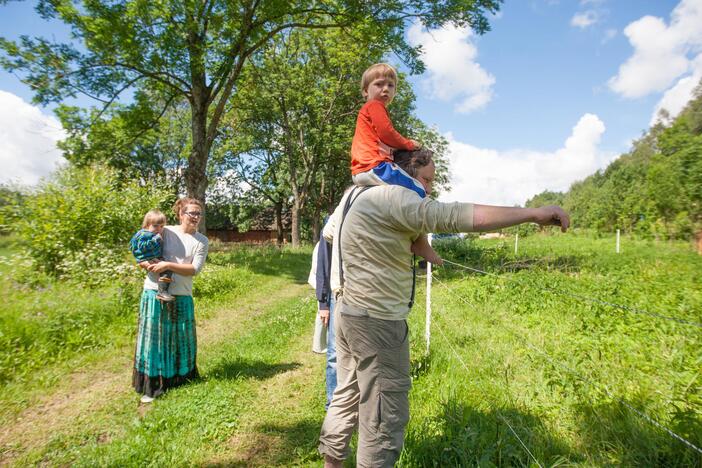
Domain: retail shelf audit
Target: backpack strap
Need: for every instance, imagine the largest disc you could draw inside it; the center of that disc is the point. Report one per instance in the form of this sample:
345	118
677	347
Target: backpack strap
349	201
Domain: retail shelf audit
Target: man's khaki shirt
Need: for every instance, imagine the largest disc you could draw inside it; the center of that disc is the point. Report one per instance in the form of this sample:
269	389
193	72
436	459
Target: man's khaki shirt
376	238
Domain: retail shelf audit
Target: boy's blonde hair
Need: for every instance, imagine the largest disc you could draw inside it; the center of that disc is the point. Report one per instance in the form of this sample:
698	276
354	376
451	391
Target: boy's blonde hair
153	217
379	70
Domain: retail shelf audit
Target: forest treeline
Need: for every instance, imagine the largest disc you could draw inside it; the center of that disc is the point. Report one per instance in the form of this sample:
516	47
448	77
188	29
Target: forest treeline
653	191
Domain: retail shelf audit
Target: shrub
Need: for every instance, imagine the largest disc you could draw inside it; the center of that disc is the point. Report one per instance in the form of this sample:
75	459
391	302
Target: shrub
77	223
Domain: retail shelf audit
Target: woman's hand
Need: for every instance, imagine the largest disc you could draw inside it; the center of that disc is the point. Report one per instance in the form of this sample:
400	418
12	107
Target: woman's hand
159	267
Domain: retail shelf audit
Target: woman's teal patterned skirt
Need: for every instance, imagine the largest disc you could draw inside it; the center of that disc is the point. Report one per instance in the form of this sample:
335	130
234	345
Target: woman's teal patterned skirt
166	347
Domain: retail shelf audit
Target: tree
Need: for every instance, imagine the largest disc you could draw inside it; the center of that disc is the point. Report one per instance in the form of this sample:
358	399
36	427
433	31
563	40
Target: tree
195	50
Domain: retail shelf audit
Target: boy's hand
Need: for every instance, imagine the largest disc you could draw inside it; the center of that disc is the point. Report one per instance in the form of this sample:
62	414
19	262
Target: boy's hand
385	149
417	145
552	216
145	264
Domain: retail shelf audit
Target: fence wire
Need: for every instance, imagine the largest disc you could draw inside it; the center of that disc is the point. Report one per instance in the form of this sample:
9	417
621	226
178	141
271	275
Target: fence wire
582	298
639	413
504	419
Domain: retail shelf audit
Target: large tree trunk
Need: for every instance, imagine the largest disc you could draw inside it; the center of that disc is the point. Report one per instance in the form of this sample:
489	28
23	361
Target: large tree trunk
295	227
279	223
316	228
196	173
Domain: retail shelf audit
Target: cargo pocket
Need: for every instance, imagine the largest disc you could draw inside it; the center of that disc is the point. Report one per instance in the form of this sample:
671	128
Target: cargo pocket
393	410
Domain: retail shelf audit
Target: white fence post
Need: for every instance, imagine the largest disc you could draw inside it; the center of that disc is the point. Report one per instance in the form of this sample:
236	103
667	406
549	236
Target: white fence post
617	240
516	244
427	332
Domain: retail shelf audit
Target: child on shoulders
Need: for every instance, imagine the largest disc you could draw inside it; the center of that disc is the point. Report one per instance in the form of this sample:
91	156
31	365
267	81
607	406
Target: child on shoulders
375	139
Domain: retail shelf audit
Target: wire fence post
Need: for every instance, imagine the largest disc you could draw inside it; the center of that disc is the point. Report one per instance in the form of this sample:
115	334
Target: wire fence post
516	243
617	240
427	332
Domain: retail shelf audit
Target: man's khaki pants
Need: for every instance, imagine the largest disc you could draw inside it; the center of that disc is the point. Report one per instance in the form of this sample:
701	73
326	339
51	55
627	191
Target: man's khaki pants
373	383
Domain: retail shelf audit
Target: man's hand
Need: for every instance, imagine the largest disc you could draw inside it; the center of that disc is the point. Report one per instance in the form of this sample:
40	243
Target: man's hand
552	216
324	315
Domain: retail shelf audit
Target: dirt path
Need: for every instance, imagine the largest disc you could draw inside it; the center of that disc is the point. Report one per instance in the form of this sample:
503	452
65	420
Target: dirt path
92	389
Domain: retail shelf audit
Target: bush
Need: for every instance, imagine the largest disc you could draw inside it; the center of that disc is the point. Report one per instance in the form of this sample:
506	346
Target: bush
78	223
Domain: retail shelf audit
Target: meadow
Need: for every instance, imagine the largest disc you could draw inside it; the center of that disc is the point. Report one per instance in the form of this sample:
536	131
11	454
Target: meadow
522	370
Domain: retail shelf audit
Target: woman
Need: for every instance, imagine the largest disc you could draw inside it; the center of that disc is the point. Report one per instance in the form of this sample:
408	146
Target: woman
166	347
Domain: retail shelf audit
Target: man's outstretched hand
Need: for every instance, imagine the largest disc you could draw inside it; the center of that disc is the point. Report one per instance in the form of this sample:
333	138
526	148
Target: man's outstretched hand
552	216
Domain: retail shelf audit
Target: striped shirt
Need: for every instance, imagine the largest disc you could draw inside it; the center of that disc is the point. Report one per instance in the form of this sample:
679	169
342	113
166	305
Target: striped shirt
146	245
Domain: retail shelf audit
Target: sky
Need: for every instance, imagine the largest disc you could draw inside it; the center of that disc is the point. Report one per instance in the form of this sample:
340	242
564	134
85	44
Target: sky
555	91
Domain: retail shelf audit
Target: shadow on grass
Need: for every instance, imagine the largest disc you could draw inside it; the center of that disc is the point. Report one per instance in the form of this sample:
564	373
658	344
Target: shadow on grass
266	260
615	434
463	436
242	369
278	445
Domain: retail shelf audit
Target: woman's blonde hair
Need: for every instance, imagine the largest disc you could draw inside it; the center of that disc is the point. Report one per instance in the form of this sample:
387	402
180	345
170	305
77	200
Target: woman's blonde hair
153	217
181	203
378	70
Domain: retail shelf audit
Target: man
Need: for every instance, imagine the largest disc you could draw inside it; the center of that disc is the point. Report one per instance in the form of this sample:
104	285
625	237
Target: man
372	275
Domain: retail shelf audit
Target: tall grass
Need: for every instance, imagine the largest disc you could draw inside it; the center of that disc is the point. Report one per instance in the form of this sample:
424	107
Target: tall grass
554	367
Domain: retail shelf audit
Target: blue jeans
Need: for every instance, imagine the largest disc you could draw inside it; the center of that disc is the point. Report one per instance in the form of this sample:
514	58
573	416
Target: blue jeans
331	355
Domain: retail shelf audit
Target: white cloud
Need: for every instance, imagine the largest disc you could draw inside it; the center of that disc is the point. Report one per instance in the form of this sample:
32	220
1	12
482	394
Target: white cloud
584	19
662	52
27	141
511	177
453	73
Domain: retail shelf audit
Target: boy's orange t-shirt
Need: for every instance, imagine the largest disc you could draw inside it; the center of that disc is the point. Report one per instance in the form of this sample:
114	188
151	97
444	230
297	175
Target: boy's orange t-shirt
373	125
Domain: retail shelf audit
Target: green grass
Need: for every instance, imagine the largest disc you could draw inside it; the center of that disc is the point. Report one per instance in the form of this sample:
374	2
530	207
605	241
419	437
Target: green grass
59	325
525	348
506	355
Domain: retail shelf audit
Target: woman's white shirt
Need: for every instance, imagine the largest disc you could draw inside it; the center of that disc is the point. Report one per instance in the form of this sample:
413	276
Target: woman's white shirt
180	247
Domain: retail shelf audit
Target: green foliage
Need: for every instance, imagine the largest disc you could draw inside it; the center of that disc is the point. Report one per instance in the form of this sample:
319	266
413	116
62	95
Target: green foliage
654	191
79	224
11	199
173	51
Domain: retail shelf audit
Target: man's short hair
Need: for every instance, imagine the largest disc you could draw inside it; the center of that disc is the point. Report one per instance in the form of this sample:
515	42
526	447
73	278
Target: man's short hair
411	161
378	70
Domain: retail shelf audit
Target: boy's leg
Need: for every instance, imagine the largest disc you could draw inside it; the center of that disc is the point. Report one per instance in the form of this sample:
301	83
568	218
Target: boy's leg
422	248
164	279
389	174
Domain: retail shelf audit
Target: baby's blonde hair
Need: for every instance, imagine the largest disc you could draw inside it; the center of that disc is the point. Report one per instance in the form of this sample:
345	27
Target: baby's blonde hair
378	70
153	217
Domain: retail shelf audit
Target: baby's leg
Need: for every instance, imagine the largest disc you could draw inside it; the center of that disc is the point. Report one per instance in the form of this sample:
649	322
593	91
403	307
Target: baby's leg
422	248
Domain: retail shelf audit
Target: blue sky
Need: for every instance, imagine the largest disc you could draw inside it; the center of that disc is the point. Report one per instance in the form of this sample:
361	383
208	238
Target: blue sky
556	90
